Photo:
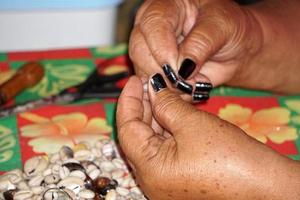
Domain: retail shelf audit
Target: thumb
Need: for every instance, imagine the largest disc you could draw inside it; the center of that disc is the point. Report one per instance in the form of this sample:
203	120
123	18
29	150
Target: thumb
169	109
136	138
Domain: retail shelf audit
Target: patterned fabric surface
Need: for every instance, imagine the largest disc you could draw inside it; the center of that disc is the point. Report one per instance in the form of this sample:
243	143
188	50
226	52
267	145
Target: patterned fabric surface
271	119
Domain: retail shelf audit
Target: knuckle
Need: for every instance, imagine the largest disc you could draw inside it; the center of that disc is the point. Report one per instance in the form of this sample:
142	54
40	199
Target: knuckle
170	105
127	127
135	47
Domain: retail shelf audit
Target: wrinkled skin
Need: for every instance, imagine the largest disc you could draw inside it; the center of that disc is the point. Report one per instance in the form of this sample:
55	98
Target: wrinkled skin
252	47
178	152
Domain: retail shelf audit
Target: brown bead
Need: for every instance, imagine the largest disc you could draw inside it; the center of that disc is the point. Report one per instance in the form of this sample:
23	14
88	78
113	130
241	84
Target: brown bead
9	194
102	182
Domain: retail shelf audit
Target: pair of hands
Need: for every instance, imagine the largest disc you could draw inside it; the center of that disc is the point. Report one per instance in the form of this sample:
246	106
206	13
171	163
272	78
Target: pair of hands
178	152
251	46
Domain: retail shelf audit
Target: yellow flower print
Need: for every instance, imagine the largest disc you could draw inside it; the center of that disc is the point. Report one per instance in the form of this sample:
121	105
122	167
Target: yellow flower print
49	135
263	124
59	77
294	105
114	69
4	76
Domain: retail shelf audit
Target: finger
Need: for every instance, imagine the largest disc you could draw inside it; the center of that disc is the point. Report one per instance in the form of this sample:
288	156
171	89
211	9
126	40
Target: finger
169	109
144	62
136	137
161	24
204	40
140	54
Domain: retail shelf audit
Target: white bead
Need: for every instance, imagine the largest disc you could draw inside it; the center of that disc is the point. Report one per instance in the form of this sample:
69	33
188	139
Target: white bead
35	181
23	194
94	174
122	191
78	173
35	165
87	194
111	195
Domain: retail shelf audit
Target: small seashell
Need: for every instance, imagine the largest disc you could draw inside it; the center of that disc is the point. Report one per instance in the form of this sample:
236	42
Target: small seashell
118	163
126	181
132	183
118	173
14	176
103	185
70	193
106	174
135	190
71	182
122	191
55	169
37	197
63	172
37	190
51	186
90	168
23	194
47	172
52	179
119	180
54	158
35	181
79	174
86	194
71	160
35	165
23	186
107	150
51	195
94	174
107	166
111	195
65	153
82	155
96	152
5	184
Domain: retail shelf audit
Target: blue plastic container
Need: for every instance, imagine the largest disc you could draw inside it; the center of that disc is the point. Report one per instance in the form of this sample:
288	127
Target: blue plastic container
55	4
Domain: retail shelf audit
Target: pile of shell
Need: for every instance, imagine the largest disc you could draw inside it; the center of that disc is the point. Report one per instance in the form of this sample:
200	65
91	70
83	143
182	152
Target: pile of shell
84	172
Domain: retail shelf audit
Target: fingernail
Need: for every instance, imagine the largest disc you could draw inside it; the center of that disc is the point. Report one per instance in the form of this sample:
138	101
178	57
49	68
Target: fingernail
170	74
158	83
200	97
184	87
187	68
203	87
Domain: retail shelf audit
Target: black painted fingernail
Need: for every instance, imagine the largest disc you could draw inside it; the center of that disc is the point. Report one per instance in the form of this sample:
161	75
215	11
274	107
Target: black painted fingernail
200	96
170	74
187	68
158	83
184	87
203	87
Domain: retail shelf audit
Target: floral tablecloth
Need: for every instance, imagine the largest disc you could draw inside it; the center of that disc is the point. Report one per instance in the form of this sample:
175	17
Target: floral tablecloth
271	119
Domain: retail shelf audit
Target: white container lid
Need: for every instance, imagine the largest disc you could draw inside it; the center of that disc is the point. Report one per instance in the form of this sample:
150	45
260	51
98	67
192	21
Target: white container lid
56	24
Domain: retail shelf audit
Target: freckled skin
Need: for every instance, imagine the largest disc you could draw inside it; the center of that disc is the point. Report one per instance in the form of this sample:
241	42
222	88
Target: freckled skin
181	166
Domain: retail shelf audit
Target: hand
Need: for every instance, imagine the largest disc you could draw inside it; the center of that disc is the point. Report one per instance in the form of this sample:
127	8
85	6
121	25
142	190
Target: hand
178	152
220	42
